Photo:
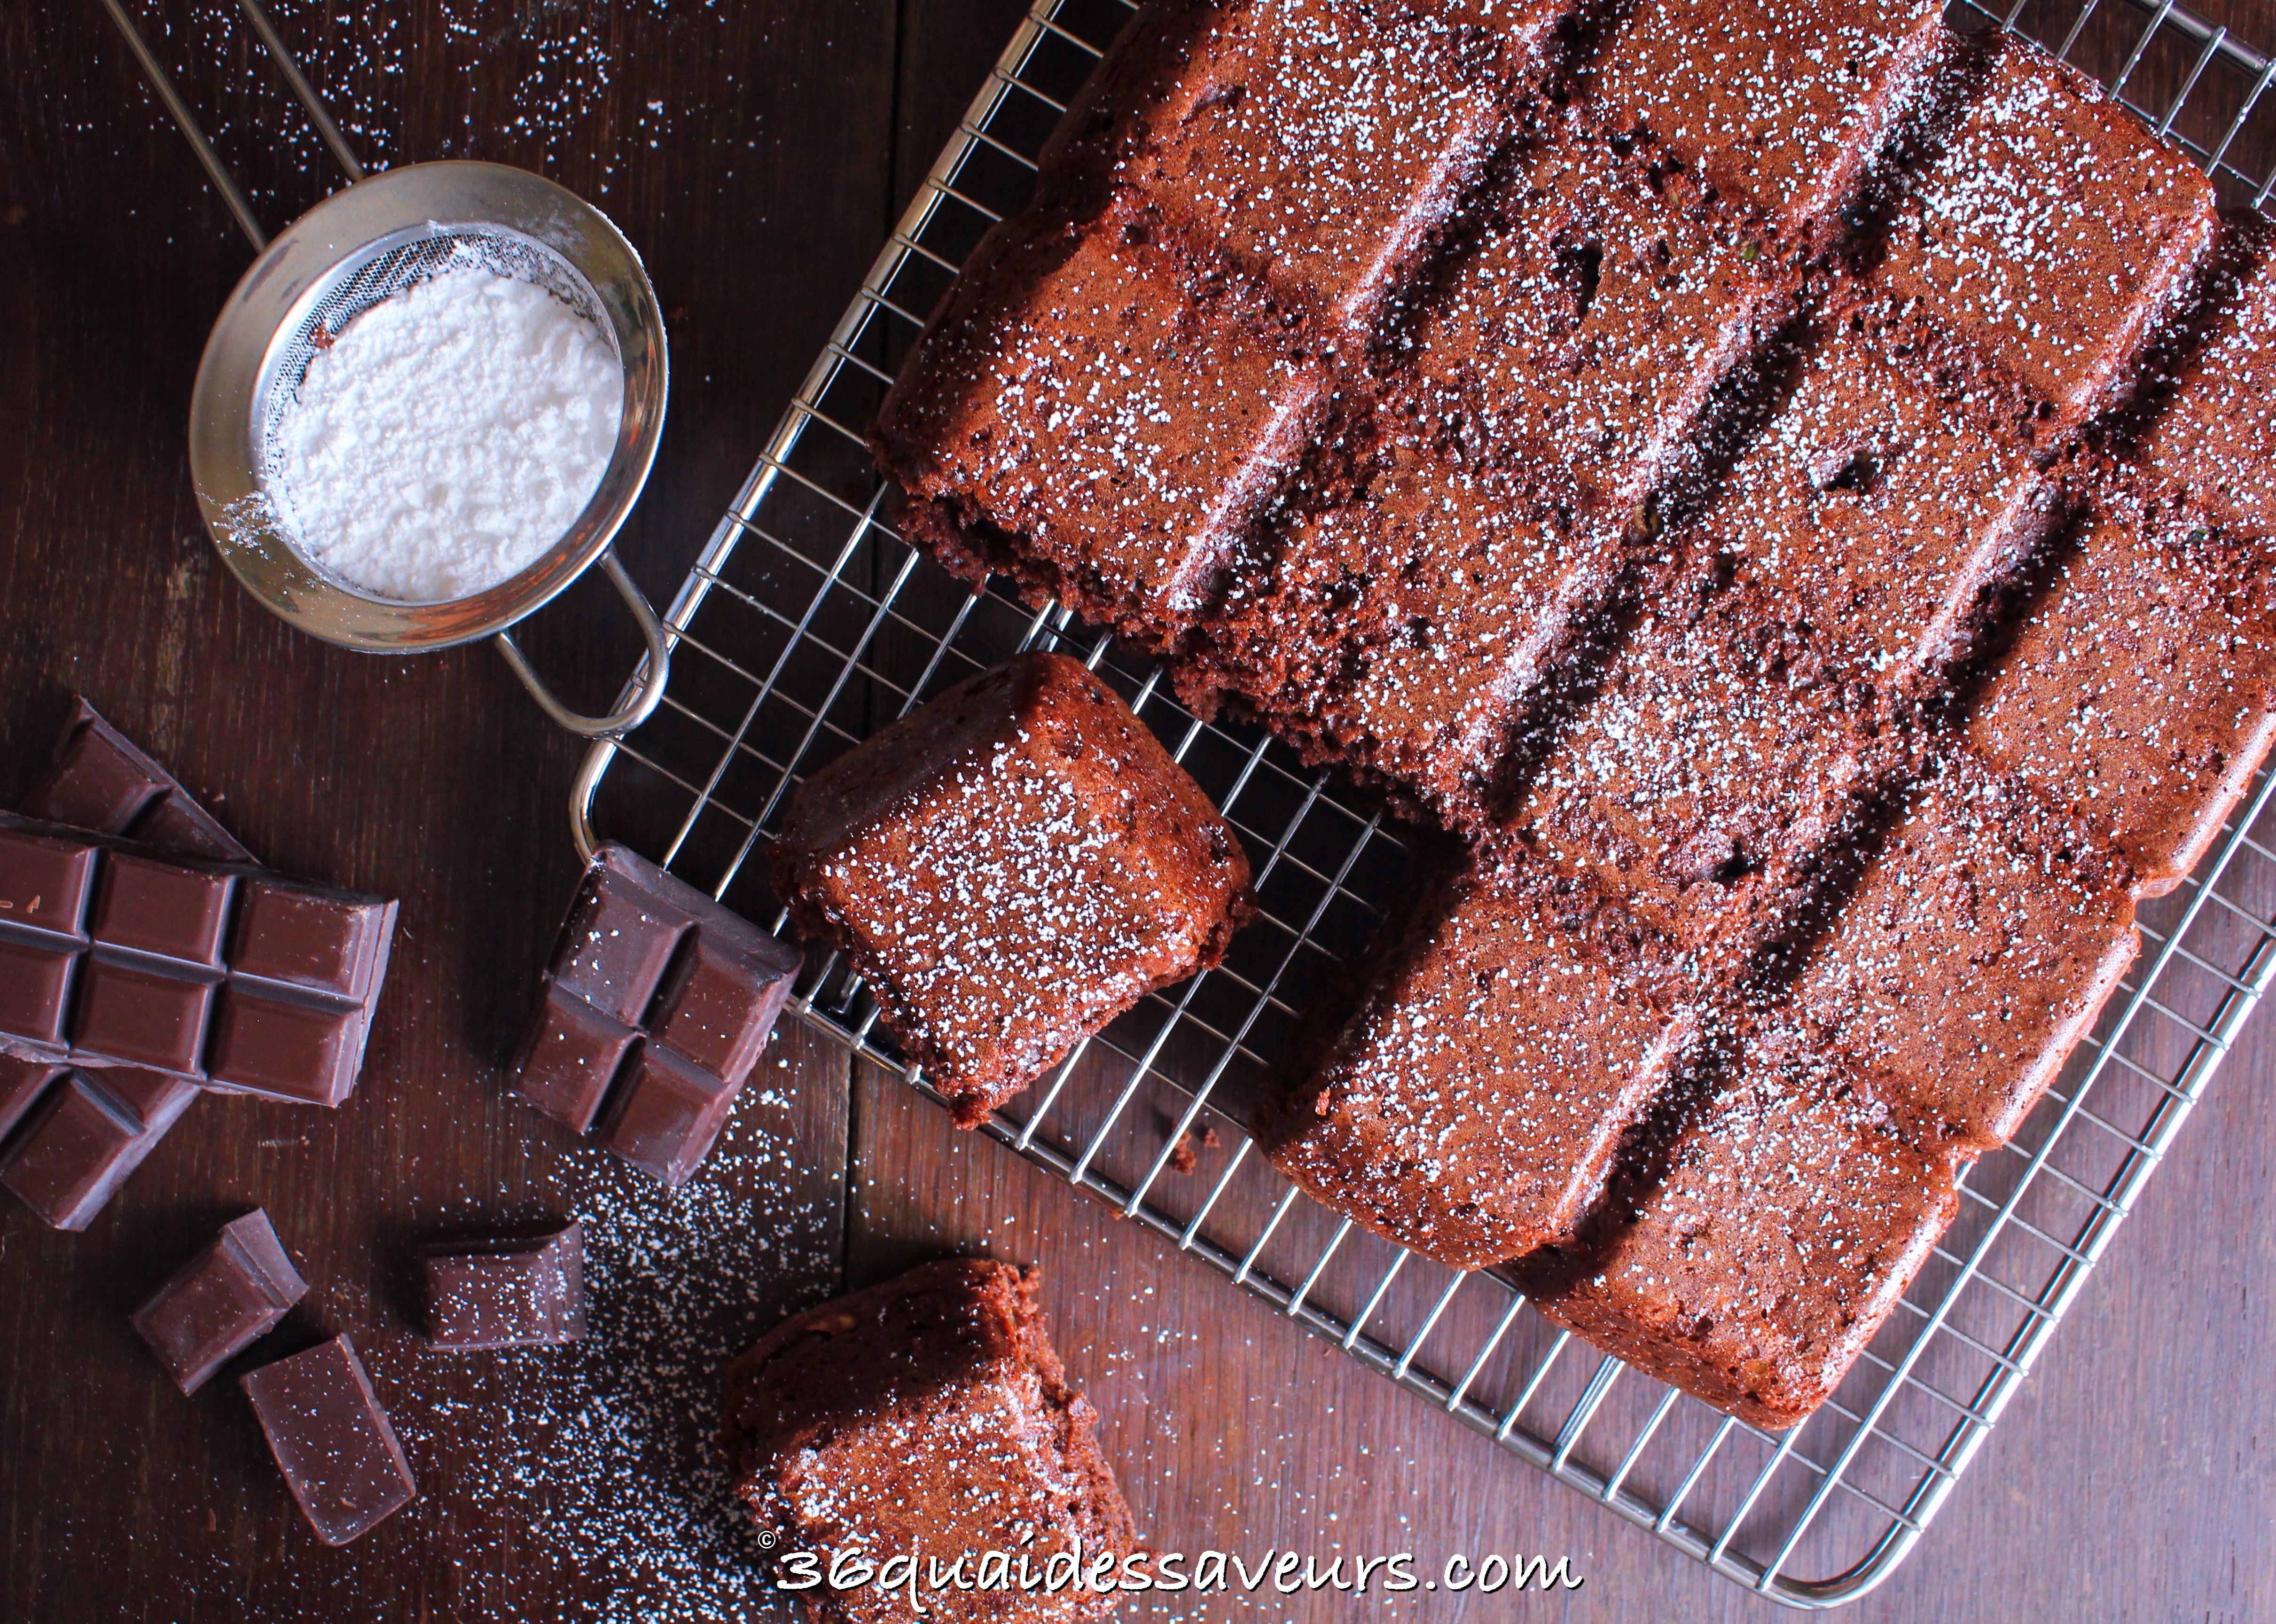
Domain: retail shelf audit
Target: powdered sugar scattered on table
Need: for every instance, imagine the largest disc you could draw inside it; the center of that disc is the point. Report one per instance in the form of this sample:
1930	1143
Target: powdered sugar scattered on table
448	437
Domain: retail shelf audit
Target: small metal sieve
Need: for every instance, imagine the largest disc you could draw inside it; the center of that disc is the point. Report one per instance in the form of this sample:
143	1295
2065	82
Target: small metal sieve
365	244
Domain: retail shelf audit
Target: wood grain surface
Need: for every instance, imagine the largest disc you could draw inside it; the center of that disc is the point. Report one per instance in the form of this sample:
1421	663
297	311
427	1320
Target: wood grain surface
757	151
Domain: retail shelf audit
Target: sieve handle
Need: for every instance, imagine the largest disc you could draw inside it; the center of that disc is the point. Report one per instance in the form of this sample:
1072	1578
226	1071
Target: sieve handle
648	686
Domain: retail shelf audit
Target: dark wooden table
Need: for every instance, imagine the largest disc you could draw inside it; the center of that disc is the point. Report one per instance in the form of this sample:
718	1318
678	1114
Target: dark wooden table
757	151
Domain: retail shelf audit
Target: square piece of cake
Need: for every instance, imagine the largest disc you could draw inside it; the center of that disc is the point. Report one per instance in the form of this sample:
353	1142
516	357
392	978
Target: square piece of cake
2140	686
1752	1254
1009	867
1974	954
1579	341
1779	106
929	1416
1401	632
2216	436
1098	418
1319	143
2051	233
1515	1027
1880	506
1719	750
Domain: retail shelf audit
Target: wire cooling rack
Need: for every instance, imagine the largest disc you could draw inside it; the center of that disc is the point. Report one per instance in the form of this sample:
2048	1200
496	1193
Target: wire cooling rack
808	623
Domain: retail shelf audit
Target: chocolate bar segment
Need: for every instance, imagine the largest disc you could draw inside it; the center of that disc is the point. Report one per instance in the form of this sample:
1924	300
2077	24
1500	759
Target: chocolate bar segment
655	1010
506	1292
331	1439
220	973
102	782
84	1132
22	1082
221	1301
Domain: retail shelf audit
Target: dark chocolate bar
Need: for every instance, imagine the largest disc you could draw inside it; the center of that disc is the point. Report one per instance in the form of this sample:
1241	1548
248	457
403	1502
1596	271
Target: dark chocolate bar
100	782
655	1006
521	1291
79	1133
221	1301
113	954
331	1439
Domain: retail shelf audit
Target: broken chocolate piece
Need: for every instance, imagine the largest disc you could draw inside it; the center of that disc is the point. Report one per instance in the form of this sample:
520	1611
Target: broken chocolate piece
221	1301
512	1292
331	1439
100	782
142	977
660	990
83	1133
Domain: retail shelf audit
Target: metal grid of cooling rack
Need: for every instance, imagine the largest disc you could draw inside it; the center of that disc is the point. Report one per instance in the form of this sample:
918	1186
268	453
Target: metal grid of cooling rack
807	623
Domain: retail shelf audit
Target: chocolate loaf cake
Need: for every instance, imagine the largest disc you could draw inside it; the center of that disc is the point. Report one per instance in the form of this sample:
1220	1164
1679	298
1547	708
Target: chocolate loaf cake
929	1416
1659	472
1009	867
1470	1109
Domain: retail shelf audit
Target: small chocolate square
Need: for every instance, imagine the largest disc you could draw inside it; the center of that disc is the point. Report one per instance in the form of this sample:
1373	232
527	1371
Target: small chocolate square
284	1049
160	907
34	990
138	1017
22	1082
86	1135
44	881
569	1058
513	1292
94	784
331	1439
665	1114
308	938
221	1301
616	944
722	1003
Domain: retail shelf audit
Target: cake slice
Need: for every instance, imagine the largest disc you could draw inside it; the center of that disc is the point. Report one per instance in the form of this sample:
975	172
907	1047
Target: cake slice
2140	686
2051	233
1983	939
1513	1029
928	1416
1750	1256
1779	106
1320	144
1096	417
1009	867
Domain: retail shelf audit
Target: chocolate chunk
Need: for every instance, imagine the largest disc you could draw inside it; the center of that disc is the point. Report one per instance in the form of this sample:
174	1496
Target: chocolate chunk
44	881
665	1114
569	1057
323	941
22	1082
507	1291
220	973
331	1439
655	1010
100	782
221	1301
83	1133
